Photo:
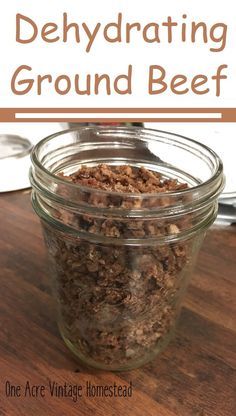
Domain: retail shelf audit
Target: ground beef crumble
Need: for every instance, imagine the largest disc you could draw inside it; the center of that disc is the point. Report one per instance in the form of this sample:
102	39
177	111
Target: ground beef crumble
124	179
118	303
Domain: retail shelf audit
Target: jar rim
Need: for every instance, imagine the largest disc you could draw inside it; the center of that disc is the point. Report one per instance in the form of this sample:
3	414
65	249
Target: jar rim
189	143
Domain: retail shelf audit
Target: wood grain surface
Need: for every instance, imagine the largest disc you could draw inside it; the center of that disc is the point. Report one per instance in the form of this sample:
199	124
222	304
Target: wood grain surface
195	376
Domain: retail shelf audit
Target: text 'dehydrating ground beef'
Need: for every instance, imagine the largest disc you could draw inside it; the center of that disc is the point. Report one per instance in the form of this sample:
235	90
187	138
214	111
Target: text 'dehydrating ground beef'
117	302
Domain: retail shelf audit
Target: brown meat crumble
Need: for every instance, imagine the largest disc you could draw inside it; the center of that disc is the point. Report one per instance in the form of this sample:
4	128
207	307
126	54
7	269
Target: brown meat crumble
118	303
124	178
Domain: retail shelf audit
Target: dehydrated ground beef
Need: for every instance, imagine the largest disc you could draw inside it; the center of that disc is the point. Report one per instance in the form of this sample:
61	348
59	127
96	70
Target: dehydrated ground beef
117	302
124	178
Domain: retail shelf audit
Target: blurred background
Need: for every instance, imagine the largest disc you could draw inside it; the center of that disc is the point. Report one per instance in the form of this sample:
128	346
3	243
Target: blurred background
17	140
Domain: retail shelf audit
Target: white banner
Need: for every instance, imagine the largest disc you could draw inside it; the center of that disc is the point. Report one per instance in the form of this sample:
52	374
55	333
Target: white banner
118	54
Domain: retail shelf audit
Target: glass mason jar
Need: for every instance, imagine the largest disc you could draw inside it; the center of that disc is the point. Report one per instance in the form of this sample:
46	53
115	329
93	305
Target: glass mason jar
120	262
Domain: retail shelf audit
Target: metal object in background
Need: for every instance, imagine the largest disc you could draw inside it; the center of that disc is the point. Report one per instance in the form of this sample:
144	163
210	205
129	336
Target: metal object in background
226	212
14	162
14	146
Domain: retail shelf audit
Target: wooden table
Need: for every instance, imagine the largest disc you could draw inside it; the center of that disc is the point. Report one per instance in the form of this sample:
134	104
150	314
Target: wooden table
195	375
